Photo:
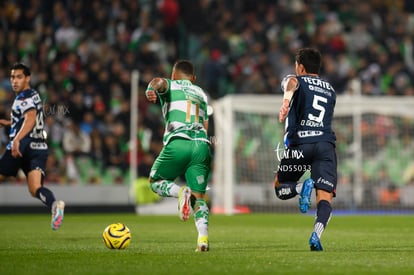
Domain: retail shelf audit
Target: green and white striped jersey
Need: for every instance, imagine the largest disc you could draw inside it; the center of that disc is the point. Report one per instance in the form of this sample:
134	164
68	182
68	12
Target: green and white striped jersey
184	107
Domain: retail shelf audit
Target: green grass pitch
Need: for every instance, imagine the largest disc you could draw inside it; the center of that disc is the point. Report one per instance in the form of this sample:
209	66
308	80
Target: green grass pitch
240	244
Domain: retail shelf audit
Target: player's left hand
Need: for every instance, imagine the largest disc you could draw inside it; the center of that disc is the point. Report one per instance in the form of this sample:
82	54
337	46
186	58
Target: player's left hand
15	151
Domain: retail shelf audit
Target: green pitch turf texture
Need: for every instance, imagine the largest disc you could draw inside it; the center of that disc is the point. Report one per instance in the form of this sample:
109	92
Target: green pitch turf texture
240	244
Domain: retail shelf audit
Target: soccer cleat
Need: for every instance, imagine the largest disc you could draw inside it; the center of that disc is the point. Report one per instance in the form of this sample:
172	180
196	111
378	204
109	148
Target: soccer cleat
305	195
202	244
58	209
315	243
184	203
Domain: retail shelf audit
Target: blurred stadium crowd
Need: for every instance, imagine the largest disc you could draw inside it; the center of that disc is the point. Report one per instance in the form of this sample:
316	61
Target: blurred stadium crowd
82	53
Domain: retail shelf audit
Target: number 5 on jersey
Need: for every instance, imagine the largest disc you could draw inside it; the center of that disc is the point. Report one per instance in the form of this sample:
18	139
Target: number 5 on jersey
317	106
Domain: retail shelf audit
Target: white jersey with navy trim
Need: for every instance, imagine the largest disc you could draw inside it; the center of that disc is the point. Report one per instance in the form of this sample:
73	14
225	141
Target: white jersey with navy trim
25	101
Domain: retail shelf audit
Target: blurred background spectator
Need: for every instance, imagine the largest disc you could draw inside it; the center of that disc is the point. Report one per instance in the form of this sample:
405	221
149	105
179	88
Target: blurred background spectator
82	53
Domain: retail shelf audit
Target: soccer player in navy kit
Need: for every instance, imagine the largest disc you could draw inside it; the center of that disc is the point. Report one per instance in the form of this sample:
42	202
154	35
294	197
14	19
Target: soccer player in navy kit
307	110
27	149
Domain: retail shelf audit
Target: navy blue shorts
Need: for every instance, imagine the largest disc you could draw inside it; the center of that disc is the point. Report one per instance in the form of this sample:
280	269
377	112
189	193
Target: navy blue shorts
34	157
319	158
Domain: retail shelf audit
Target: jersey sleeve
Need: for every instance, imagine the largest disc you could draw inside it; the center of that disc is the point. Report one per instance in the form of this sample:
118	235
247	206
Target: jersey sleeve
27	104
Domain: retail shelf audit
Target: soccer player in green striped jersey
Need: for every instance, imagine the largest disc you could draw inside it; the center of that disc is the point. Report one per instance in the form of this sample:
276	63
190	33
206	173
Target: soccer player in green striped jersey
186	149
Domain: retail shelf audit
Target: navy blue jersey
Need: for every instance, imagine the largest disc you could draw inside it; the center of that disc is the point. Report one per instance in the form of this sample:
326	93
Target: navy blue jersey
33	146
311	112
25	101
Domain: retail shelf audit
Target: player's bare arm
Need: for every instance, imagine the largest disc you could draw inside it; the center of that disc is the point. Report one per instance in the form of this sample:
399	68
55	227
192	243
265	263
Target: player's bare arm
27	127
5	122
157	85
289	89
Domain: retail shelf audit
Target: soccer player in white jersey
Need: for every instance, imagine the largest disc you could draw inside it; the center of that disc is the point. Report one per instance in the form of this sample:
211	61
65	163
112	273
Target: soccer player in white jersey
27	149
186	148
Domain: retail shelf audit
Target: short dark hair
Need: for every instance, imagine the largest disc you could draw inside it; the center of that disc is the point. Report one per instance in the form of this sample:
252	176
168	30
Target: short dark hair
310	58
185	66
21	66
